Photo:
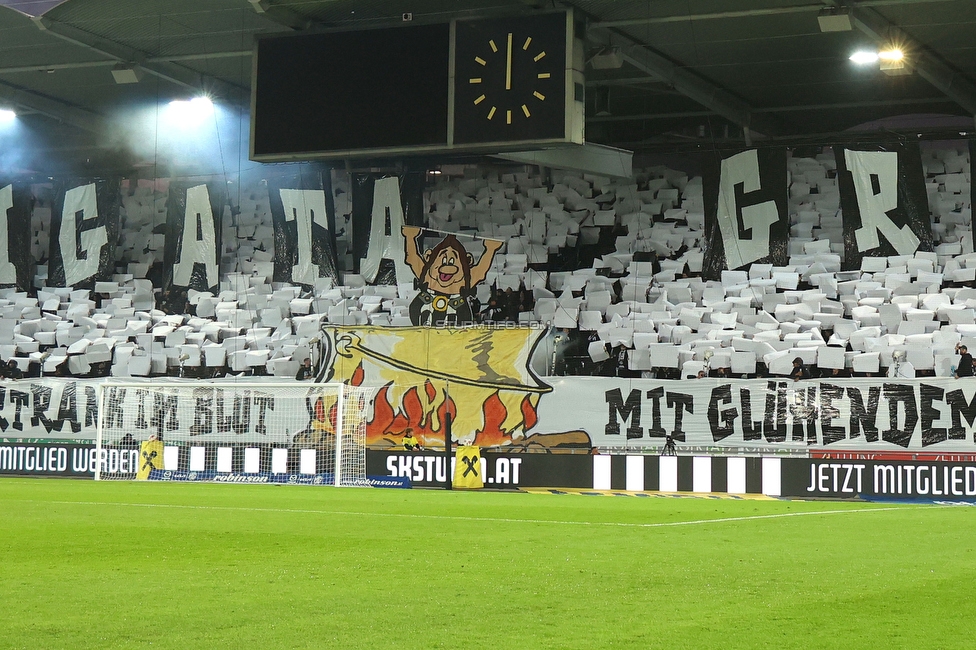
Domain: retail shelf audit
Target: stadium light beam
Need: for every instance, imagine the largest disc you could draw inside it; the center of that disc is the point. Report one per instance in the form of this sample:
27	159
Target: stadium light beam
190	112
7	116
894	54
864	57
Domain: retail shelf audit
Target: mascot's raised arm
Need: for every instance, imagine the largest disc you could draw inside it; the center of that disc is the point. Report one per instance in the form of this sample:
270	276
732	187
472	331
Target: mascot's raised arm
447	277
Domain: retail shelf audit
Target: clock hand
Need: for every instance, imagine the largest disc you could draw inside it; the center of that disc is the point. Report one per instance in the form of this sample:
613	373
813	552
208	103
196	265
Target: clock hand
508	64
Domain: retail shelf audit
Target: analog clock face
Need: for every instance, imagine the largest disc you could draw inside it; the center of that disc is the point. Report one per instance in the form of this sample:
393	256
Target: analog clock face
499	62
510	79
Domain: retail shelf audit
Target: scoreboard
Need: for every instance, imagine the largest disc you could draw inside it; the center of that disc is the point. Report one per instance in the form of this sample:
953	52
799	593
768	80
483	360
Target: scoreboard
471	85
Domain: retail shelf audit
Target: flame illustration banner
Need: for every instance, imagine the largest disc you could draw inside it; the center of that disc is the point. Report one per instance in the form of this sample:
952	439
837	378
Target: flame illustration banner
480	376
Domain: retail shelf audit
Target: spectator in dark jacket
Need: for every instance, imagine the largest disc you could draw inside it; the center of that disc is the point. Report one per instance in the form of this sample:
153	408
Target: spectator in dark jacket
13	371
799	370
304	370
965	366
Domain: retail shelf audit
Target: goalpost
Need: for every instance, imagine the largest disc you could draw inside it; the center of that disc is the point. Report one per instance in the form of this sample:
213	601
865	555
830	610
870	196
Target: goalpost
232	431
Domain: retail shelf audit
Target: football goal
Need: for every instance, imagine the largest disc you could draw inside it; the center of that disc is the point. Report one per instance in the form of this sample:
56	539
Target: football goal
230	431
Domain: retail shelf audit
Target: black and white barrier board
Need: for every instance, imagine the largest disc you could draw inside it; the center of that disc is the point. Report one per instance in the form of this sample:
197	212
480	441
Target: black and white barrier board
499	470
636	473
732	475
878	479
788	477
245	459
897	479
64	459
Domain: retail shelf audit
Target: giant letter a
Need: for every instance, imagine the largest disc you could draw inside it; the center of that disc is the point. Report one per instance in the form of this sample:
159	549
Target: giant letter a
199	242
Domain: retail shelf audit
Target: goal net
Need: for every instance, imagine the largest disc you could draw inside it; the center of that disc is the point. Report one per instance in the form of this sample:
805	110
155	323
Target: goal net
228	431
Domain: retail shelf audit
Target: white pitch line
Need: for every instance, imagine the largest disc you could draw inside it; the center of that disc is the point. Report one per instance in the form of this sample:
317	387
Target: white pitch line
693	522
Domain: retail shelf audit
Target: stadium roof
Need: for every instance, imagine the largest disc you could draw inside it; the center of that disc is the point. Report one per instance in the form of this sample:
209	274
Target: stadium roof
662	75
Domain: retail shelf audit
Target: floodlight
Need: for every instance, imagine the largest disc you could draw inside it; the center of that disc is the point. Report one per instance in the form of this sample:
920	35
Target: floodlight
7	115
864	57
202	103
185	113
196	107
893	61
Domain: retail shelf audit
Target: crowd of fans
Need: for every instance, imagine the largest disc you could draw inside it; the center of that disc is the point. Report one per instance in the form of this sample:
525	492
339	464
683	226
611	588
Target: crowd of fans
572	350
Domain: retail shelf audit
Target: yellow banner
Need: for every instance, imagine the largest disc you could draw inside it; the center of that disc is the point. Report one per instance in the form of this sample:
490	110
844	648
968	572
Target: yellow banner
467	470
480	377
150	458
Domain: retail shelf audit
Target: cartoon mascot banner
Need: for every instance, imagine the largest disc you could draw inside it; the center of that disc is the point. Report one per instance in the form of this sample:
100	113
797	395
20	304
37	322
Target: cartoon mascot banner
447	275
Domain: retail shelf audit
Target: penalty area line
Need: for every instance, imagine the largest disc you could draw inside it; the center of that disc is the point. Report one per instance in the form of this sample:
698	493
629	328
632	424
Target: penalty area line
505	520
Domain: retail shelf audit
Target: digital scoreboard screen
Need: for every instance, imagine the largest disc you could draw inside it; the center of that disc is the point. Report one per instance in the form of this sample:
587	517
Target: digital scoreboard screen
478	85
348	91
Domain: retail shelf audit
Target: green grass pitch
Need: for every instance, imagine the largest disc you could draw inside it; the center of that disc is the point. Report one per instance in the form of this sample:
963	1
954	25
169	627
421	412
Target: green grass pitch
155	565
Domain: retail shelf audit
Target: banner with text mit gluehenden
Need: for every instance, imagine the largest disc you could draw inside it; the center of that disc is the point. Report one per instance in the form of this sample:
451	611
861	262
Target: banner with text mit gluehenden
50	459
802	477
